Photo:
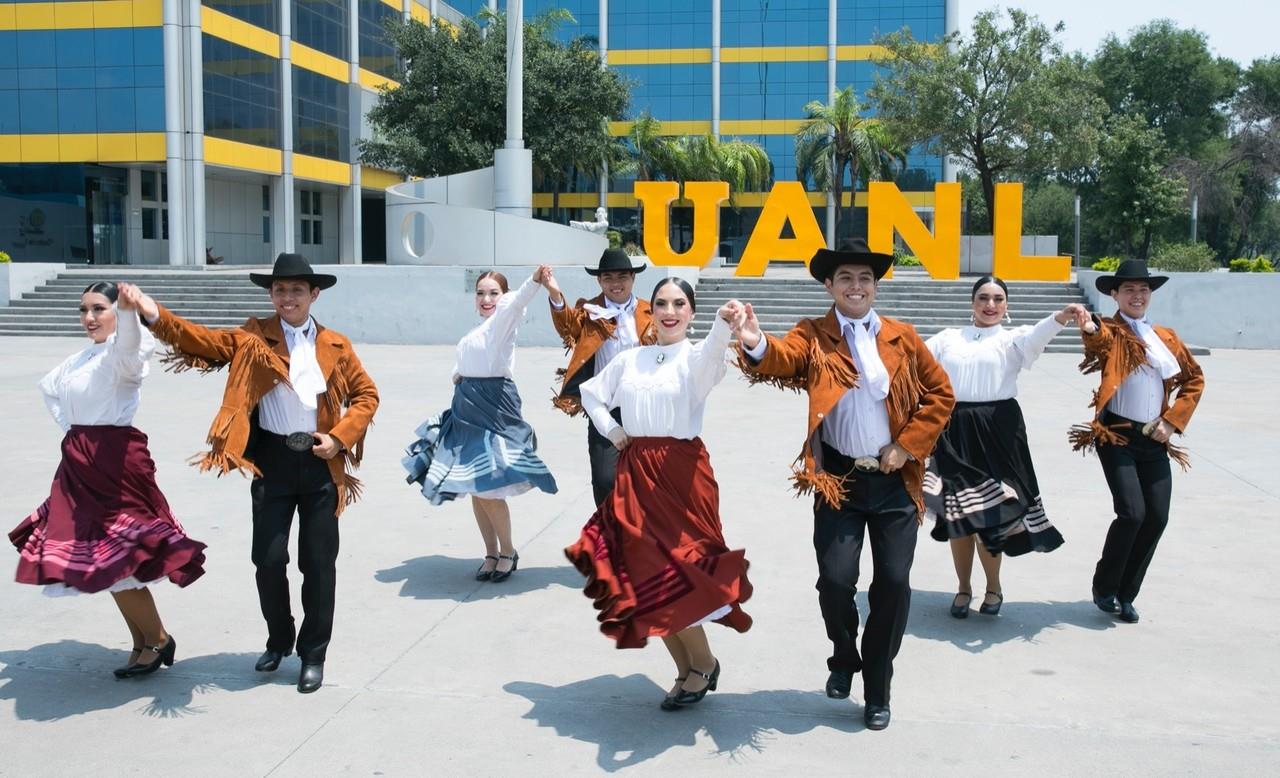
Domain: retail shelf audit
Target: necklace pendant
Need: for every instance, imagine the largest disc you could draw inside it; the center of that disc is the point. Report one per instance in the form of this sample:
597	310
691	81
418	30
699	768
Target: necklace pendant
662	358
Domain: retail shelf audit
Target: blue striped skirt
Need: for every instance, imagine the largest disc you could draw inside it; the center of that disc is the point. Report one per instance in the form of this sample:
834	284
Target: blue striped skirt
479	446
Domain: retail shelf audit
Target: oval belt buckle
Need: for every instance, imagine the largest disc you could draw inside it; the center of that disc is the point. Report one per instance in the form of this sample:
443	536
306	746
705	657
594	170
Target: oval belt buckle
299	441
867	464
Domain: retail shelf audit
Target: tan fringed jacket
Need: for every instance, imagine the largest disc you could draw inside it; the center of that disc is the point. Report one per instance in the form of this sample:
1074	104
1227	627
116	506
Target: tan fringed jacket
583	337
258	360
814	357
1116	351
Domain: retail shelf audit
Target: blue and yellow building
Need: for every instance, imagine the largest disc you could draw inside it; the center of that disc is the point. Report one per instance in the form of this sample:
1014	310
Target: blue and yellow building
154	131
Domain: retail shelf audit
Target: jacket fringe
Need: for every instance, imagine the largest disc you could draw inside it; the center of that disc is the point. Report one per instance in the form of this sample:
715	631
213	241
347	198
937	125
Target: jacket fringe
905	391
796	383
826	485
830	364
1180	455
222	462
175	361
568	403
1085	437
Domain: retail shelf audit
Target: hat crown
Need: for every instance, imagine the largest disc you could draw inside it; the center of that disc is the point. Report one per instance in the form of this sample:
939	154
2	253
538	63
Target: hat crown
290	265
1133	268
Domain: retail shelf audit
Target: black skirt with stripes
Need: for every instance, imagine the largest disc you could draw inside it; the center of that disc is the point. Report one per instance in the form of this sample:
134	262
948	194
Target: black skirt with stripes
980	481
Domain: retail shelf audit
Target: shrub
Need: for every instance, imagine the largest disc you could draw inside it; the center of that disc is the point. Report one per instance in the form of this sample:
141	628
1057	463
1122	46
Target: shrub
1259	264
1184	258
632	250
615	239
4	257
903	259
1106	264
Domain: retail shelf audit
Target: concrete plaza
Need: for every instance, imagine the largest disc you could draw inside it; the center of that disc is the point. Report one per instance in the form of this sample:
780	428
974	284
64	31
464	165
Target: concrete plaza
431	673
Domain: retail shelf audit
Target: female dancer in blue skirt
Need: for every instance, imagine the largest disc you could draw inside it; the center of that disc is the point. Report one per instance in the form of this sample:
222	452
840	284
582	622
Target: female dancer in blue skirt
482	446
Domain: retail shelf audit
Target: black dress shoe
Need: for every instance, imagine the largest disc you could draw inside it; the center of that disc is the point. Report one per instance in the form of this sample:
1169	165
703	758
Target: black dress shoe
1128	613
481	573
838	684
311	677
119	672
269	662
961	610
502	575
689	698
992	608
164	656
669	702
876	716
1106	604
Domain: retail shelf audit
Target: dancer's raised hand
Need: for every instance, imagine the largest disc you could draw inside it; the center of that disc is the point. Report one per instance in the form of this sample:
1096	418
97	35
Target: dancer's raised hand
130	297
549	281
732	313
749	333
1071	313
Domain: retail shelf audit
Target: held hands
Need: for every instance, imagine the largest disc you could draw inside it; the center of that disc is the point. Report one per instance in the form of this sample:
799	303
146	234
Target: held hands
748	327
893	457
732	313
619	438
547	278
326	447
131	298
1072	313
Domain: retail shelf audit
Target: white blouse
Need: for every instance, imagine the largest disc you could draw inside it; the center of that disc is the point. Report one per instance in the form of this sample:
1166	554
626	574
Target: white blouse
102	384
489	349
983	362
662	390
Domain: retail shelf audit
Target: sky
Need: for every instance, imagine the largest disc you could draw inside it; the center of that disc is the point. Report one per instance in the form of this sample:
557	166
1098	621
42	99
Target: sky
1239	29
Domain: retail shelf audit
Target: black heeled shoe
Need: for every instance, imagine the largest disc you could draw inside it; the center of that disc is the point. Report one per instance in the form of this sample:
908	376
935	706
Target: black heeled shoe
669	702
502	575
689	698
164	656
992	608
958	610
481	573
133	659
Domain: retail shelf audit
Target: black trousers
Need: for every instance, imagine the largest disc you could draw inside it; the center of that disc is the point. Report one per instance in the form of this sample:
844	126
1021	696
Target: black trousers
877	505
604	459
294	482
1141	483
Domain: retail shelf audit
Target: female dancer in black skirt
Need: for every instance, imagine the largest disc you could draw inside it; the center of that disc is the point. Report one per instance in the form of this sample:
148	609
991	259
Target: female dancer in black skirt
106	526
979	481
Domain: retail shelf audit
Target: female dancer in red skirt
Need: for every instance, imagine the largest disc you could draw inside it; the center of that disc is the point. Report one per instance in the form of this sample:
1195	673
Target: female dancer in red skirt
106	526
653	554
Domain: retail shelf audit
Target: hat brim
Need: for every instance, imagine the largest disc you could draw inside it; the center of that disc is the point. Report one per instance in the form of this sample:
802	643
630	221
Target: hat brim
825	261
318	280
1108	284
595	271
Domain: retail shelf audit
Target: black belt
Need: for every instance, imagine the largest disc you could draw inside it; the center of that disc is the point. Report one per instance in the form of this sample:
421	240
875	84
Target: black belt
864	465
300	442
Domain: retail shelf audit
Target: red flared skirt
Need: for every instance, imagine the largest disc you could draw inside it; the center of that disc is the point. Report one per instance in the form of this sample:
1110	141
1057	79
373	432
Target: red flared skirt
105	520
654	554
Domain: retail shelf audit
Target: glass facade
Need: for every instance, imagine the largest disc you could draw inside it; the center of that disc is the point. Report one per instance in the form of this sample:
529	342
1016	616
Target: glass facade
862	21
376	52
322	25
260	13
63	213
772	23
241	94
669	92
81	81
320	123
659	24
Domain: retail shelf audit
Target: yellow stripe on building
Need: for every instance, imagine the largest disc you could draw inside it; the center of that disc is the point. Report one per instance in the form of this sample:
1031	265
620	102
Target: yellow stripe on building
867	52
396	4
83	147
374	81
318	62
373	178
760	126
673	127
245	156
659	56
100	14
231	29
774	54
420	13
317	169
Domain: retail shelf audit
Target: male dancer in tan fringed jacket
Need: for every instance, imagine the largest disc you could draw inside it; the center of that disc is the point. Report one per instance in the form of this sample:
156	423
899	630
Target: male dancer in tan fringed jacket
877	403
282	420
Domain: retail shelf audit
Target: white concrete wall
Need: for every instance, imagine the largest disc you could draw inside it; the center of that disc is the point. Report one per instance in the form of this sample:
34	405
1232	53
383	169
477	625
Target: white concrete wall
233	221
1216	310
17	278
436	305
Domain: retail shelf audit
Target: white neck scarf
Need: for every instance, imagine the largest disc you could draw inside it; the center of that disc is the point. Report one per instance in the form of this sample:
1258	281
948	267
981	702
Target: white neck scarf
1158	354
610	310
304	370
875	378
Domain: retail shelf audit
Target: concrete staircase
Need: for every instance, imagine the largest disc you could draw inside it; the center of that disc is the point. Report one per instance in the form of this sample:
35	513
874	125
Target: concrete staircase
913	297
215	298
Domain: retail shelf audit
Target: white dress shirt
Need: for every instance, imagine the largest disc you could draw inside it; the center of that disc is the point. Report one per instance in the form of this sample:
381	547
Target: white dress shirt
489	349
624	336
281	410
1140	396
662	390
983	362
101	384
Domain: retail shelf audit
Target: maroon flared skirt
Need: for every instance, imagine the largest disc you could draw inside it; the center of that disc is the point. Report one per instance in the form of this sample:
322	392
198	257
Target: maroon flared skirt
105	519
654	554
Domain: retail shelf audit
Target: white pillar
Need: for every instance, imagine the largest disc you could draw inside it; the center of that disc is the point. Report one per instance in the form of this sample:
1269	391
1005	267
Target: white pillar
950	24
513	163
832	42
193	184
283	216
603	37
715	68
174	130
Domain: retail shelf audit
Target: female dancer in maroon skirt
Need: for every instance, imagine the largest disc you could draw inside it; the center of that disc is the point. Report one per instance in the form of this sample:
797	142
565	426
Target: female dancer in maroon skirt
106	526
653	554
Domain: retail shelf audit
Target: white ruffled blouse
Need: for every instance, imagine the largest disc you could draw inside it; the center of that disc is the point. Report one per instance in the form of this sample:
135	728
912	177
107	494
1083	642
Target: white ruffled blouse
662	390
102	384
489	349
983	362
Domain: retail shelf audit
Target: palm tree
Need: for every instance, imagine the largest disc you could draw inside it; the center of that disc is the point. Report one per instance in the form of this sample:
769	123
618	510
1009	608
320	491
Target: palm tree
743	164
648	147
836	136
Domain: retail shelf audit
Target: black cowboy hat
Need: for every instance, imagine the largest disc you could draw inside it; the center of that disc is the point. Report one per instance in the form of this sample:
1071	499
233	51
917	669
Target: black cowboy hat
293	266
1129	270
615	259
851	251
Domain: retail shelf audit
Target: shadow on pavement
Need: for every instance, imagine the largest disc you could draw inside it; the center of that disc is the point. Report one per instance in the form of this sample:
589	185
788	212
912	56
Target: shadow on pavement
931	620
633	730
447	578
67	678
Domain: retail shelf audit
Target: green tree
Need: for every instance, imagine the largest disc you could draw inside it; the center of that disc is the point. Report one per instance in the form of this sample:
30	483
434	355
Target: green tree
1006	100
448	115
1135	194
1168	76
836	138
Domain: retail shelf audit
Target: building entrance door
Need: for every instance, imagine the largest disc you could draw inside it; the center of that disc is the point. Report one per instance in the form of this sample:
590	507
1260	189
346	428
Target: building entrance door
105	196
